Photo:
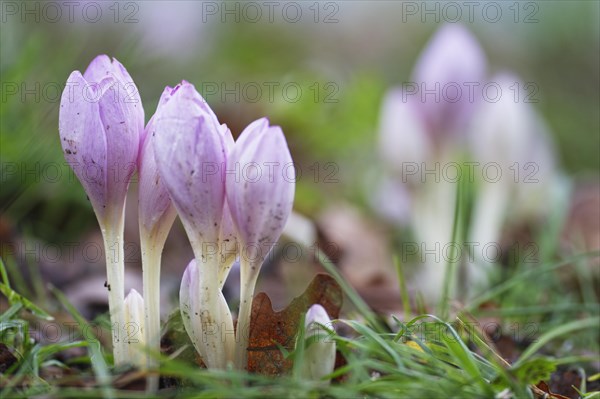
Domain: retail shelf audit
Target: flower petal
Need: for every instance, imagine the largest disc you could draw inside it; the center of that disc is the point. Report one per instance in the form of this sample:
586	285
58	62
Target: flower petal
261	195
190	155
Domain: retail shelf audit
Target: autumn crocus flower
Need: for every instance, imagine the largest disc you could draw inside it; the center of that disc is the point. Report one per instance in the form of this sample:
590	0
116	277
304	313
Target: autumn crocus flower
260	201
190	153
510	137
156	216
101	119
449	70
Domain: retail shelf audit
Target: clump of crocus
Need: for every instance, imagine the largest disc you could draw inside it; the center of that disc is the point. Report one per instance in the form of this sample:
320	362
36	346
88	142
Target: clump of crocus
100	122
319	354
422	126
156	216
260	202
190	151
135	339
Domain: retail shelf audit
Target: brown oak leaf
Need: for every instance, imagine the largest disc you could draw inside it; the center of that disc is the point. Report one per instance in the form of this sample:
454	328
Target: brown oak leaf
269	328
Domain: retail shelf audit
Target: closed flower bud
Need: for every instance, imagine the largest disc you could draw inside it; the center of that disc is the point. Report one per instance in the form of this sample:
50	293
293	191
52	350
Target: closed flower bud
101	119
403	138
156	211
194	318
156	216
190	153
260	199
134	329
448	71
319	355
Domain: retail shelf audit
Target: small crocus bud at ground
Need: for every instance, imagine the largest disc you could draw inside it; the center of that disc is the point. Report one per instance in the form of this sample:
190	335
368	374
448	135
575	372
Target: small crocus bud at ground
101	119
156	216
190	153
446	79
191	308
319	355
135	332
260	201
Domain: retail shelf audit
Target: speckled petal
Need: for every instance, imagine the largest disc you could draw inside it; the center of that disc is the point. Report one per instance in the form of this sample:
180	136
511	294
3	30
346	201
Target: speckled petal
155	207
83	140
260	197
190	155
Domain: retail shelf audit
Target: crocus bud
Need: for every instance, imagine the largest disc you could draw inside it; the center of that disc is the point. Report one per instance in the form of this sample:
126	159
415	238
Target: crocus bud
134	329
194	318
319	355
403	141
190	154
509	138
156	216
101	119
156	212
260	199
446	76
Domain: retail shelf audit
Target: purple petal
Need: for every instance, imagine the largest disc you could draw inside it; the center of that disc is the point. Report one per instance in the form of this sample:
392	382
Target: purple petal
102	66
155	208
403	138
452	58
190	154
261	195
122	144
83	139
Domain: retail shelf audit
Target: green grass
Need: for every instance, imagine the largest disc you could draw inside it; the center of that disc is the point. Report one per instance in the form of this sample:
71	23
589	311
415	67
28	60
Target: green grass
451	358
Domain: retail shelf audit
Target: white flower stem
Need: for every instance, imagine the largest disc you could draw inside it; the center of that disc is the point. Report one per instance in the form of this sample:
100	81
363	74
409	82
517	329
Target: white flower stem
112	234
151	260
248	277
211	315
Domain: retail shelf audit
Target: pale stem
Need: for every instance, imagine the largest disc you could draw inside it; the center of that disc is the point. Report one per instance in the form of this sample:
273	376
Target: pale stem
211	315
488	216
224	269
152	247
248	277
112	233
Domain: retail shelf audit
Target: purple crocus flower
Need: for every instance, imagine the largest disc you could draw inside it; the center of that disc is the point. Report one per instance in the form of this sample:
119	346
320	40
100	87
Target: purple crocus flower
156	216
101	119
260	199
448	75
190	153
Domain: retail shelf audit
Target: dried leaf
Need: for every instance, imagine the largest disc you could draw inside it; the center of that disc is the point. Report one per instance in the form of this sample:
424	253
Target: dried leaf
270	331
